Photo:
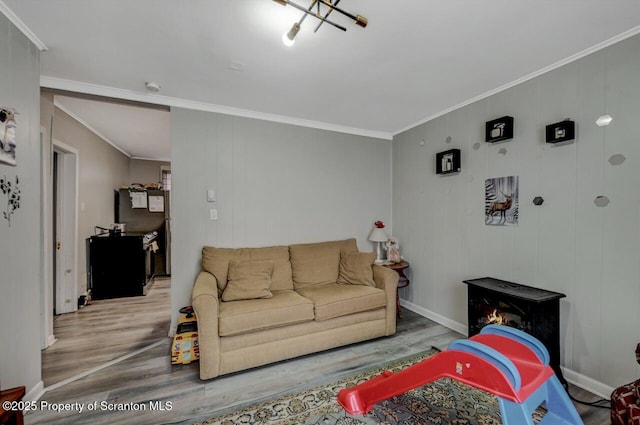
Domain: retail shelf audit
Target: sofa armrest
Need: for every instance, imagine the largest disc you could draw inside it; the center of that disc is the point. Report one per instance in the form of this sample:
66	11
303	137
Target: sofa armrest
205	303
387	280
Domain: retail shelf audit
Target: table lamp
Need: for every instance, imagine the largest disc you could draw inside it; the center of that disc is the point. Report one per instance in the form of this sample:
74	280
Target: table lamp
378	236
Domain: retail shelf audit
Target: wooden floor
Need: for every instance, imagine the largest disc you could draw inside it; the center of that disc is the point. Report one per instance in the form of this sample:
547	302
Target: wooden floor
105	330
149	376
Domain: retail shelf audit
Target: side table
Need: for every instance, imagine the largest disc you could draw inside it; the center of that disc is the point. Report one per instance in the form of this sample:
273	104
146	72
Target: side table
403	281
11	416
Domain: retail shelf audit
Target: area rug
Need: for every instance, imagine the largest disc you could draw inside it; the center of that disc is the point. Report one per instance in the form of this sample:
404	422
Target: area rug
439	403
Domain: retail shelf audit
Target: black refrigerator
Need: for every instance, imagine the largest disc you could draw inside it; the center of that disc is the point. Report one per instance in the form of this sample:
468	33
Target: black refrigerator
145	211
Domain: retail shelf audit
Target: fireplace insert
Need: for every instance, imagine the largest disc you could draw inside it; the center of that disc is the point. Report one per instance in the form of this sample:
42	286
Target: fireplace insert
532	310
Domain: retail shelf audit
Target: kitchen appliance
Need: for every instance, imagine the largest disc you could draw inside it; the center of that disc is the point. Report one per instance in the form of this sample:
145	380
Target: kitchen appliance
146	211
120	264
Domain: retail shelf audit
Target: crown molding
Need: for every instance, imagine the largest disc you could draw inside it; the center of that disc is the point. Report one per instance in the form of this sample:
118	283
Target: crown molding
4	9
142	158
613	40
105	91
58	105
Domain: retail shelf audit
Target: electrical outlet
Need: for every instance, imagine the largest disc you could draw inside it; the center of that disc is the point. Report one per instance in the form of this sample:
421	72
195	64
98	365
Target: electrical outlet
213	214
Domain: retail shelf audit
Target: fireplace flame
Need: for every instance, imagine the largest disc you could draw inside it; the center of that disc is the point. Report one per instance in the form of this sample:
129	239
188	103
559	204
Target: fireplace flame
495	318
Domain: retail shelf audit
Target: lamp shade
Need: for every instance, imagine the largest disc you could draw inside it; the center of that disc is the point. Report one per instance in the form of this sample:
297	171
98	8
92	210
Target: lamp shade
378	235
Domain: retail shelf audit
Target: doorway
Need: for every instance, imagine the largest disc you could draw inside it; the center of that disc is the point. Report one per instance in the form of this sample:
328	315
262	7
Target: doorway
79	204
64	228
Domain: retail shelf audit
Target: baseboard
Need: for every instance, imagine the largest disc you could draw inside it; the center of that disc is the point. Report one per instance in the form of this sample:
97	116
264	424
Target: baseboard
577	379
444	321
586	383
36	392
51	339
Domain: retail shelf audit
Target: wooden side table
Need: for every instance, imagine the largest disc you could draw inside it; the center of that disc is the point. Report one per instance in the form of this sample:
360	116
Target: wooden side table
11	416
403	281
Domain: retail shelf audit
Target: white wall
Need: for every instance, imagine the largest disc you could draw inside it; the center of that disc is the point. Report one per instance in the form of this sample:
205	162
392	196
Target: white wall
568	244
20	244
276	184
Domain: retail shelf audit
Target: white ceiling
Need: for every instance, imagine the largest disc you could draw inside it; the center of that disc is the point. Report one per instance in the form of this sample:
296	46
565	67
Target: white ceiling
415	60
138	132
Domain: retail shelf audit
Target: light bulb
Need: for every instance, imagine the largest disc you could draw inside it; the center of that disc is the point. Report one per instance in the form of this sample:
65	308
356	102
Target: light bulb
286	40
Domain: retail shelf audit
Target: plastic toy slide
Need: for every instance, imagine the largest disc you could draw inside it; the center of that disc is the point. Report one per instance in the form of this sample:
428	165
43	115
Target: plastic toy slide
501	360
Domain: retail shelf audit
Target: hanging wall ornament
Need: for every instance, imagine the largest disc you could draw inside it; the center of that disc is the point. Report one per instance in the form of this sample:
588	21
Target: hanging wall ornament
501	201
8	127
12	192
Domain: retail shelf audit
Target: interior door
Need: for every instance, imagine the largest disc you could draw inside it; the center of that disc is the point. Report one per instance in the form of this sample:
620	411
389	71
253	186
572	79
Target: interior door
65	181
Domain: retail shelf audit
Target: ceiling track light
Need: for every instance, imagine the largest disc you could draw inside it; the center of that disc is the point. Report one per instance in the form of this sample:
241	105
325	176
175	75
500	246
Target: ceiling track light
289	37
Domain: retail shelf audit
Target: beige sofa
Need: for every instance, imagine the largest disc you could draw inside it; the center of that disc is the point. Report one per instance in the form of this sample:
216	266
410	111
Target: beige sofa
261	305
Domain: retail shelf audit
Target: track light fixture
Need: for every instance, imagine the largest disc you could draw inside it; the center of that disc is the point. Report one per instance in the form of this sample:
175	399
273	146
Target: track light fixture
288	38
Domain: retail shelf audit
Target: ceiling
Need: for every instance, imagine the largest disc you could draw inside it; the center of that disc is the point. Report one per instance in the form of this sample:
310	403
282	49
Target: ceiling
415	60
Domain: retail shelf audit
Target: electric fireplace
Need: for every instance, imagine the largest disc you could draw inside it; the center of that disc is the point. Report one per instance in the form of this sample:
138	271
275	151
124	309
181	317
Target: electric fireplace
532	310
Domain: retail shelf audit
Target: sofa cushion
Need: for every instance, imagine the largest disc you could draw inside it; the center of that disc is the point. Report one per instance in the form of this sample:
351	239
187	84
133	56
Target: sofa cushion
335	300
356	268
216	262
248	280
318	263
284	308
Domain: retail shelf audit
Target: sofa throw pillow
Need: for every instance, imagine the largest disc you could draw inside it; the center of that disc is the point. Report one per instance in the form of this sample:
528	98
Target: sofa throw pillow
318	263
248	280
356	268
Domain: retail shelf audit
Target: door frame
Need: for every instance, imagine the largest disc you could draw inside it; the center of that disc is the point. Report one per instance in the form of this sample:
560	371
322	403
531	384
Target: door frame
46	214
66	288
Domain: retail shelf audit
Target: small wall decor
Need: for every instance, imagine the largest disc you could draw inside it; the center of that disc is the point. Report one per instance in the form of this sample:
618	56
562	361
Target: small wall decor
499	129
13	197
448	162
8	136
501	201
538	200
604	120
617	159
601	201
561	131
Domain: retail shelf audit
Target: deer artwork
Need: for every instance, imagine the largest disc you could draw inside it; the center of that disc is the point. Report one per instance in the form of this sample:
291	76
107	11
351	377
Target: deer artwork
500	207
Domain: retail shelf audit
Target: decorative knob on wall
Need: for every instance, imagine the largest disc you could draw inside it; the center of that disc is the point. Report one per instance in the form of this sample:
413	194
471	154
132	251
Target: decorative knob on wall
601	201
538	200
617	159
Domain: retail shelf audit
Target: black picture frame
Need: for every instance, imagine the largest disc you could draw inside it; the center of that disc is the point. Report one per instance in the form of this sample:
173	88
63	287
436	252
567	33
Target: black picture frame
499	129
560	132
448	162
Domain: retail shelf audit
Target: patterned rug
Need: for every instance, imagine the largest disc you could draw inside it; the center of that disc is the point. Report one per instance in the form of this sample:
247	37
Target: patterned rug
439	403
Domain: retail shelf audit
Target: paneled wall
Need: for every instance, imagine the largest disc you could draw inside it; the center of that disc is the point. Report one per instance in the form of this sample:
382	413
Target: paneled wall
568	244
276	184
20	242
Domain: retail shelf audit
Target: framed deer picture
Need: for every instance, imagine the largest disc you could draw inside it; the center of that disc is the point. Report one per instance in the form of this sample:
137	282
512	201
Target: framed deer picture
501	201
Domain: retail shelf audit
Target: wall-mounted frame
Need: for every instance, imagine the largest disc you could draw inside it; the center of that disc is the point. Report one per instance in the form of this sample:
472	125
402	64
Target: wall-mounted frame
561	131
8	128
499	129
448	162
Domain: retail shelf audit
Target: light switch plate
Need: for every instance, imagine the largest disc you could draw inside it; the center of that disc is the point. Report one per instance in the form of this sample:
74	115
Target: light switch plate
211	195
213	214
